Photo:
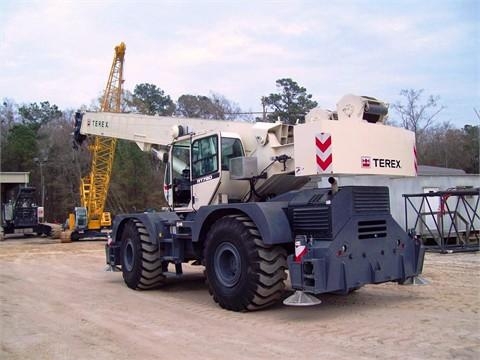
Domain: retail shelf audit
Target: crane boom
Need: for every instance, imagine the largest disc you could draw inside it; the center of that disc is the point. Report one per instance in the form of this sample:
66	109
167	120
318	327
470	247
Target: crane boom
358	144
276	157
94	186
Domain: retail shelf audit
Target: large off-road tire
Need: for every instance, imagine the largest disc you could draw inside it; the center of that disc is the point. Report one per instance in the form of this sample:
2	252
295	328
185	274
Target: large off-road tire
141	265
242	272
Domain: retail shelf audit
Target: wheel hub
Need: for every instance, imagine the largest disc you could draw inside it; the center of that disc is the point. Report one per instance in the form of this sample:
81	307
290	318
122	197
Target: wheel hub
228	264
128	258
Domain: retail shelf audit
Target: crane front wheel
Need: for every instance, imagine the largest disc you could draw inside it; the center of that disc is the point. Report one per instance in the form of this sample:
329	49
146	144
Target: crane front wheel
141	265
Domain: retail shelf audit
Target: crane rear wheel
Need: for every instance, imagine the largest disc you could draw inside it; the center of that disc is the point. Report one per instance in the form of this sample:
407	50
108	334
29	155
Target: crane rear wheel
242	272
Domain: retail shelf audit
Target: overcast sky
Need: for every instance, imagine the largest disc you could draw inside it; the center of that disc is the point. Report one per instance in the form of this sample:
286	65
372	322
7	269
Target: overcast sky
61	51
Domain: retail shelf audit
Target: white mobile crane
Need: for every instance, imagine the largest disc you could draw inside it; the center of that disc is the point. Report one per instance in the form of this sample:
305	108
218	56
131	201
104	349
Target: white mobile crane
236	205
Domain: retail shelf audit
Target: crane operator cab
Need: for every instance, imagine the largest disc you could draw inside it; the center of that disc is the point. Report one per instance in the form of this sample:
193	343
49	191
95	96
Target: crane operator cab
195	169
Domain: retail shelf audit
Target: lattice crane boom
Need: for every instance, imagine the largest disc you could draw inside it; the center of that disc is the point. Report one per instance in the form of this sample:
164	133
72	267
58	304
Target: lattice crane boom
94	187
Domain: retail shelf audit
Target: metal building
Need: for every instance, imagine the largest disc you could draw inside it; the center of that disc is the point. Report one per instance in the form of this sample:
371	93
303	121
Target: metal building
427	214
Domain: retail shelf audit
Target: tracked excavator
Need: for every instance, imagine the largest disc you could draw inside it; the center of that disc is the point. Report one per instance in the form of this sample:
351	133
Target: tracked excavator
237	204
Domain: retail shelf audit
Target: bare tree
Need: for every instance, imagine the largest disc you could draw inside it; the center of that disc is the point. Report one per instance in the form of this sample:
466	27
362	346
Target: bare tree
416	115
216	106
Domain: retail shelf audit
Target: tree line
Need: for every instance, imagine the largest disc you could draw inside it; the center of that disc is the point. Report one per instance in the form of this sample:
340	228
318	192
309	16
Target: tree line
36	138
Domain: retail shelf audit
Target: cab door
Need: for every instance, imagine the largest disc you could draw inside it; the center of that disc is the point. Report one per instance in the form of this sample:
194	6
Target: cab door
177	188
205	169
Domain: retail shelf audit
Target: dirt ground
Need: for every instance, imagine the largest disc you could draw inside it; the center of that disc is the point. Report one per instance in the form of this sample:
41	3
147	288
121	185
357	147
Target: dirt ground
56	302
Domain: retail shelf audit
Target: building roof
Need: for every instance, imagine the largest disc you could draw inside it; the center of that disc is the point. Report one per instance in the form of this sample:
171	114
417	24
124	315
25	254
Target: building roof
14	177
437	170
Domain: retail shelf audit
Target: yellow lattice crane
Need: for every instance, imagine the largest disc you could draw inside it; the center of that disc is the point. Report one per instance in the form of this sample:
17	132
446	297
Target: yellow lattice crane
90	218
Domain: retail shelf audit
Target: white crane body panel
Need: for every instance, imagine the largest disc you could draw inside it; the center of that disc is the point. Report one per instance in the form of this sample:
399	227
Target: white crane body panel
360	148
355	147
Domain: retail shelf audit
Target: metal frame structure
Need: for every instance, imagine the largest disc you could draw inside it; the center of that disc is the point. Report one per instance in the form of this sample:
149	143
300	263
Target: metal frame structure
455	222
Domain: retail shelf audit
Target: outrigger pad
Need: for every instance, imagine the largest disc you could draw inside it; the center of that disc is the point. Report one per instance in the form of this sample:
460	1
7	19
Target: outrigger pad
111	268
416	280
300	298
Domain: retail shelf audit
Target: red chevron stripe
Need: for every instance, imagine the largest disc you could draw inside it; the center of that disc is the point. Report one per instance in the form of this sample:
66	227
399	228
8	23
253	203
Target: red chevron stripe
324	164
322	146
415	159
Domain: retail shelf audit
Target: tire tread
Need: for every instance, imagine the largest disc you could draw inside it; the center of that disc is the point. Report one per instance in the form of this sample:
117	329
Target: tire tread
268	264
150	274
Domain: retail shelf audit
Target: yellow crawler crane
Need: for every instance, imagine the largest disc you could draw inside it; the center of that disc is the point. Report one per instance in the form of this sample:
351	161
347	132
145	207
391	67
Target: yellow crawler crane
90	218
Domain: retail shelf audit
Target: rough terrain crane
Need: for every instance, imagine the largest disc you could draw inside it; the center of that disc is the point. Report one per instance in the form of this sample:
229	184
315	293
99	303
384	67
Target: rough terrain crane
237	204
89	219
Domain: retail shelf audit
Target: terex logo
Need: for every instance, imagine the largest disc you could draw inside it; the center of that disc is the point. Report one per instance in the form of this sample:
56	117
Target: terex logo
387	163
367	161
98	123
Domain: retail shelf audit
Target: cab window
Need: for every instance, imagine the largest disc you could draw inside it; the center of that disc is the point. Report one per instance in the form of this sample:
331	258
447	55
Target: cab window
180	159
204	156
231	148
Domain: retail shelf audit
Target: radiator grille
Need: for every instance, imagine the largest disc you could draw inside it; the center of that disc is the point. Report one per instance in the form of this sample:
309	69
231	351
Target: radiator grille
372	229
25	216
371	200
312	220
316	199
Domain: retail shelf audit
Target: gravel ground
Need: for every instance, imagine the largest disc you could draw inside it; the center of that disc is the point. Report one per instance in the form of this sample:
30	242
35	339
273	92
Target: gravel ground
56	302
